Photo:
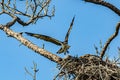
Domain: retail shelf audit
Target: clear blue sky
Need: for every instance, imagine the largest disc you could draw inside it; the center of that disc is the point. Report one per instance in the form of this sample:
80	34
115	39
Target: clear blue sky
92	24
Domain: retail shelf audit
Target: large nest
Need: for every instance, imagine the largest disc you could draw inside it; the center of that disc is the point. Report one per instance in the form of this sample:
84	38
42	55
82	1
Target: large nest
88	67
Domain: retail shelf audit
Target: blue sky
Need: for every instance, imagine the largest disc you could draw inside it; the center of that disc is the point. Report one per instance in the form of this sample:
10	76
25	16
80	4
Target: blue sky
92	24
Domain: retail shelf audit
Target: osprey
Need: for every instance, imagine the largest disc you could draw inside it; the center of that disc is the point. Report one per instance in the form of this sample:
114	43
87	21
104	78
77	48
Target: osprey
64	45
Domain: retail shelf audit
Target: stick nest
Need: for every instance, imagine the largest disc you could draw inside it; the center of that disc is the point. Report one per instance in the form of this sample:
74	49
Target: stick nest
88	67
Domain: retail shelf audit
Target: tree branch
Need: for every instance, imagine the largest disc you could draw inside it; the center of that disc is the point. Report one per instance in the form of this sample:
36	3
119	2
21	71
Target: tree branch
35	70
109	40
106	4
30	45
114	9
37	11
11	23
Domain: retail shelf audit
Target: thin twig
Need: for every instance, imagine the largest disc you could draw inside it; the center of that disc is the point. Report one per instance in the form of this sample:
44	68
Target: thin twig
28	72
35	70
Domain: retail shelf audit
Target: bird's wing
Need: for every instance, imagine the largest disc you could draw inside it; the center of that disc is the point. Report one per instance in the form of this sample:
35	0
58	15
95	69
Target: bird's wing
68	33
44	37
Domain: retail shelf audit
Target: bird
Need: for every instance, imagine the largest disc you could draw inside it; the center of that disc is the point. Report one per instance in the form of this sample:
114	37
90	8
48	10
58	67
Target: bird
64	44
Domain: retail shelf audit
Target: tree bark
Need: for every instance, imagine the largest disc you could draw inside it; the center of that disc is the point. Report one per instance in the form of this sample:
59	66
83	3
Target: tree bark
30	45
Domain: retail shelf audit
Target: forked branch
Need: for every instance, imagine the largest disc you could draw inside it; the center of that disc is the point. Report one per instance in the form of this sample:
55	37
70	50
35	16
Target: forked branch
35	9
35	70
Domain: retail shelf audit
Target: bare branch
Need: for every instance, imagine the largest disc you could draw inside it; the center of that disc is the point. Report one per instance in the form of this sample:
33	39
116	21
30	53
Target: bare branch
2	3
36	11
35	70
109	41
28	72
96	49
30	45
11	23
106	4
31	20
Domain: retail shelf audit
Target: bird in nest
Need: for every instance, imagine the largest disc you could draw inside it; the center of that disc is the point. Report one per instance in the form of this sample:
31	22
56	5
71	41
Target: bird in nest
64	44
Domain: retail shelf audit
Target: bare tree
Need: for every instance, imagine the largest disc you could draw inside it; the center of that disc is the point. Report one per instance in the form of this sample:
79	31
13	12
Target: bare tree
39	9
73	68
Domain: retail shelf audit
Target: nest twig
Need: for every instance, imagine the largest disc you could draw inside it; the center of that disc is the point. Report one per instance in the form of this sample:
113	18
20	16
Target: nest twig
88	67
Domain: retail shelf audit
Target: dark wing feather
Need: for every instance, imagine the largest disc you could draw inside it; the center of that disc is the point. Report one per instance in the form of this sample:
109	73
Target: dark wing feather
68	33
44	37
